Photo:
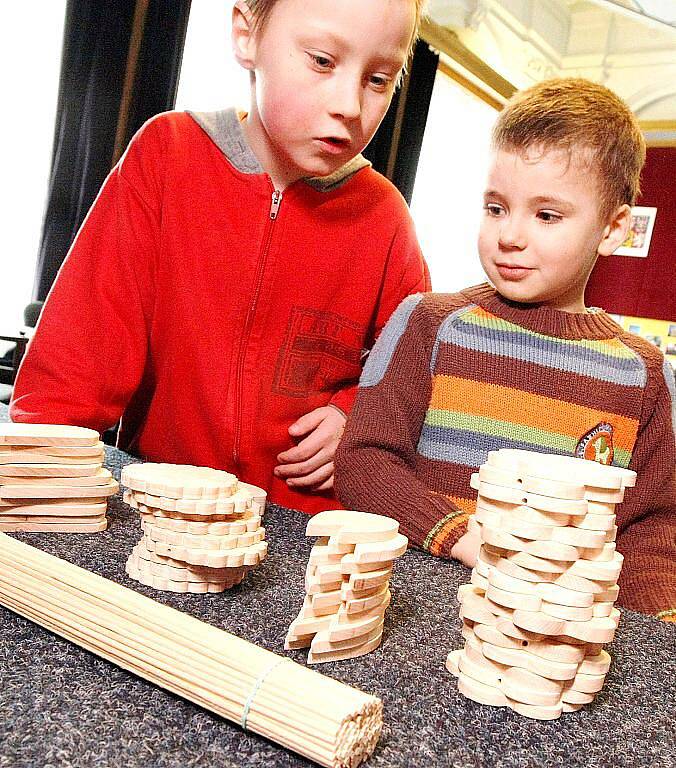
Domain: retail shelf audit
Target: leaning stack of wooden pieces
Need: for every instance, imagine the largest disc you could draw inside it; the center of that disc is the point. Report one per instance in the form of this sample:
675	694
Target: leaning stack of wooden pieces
318	717
52	479
346	584
202	528
540	603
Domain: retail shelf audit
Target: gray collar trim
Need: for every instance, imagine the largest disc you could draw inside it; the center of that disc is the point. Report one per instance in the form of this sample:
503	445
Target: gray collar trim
225	130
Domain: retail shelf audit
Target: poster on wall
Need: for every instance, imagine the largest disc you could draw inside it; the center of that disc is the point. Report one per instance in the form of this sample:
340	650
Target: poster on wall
640	232
661	333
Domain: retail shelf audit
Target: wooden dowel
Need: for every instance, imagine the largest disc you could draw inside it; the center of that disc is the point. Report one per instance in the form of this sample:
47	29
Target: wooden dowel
322	719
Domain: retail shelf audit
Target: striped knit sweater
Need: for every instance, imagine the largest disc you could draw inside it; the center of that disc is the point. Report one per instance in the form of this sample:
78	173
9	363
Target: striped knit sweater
453	377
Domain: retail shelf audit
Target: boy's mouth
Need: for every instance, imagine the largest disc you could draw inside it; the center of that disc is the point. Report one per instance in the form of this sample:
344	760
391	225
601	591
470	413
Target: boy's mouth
513	271
333	144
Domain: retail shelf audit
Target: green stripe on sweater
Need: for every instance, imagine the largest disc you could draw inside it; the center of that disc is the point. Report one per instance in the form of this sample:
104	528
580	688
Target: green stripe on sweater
508	429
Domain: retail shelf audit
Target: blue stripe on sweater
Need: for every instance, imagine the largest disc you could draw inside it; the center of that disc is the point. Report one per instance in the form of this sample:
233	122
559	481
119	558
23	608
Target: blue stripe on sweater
462	446
549	352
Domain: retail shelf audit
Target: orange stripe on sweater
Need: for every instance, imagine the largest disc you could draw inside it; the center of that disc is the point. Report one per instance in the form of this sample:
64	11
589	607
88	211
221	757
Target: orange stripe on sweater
452	393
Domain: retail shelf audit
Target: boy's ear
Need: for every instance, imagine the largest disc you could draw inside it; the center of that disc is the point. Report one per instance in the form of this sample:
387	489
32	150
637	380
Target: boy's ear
616	230
243	37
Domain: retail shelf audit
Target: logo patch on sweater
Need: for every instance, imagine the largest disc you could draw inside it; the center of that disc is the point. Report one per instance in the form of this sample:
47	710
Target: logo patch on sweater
321	353
597	444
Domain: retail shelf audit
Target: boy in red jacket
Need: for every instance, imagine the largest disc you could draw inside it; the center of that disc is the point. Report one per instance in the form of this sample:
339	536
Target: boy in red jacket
522	363
234	269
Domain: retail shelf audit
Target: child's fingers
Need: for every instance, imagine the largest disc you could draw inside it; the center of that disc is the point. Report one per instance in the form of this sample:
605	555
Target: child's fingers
307	448
298	469
316	478
307	422
327	485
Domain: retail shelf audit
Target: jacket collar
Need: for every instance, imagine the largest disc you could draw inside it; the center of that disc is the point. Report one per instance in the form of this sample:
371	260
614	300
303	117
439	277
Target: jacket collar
225	130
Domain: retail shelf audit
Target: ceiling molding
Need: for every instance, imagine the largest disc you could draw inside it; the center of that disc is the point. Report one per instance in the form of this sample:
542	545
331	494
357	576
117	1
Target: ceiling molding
447	41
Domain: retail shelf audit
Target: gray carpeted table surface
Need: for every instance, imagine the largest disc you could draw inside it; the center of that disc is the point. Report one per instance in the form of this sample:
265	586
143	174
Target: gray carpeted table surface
63	706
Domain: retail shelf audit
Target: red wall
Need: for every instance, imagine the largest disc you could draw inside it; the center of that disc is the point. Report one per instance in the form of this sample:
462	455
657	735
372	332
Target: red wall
626	285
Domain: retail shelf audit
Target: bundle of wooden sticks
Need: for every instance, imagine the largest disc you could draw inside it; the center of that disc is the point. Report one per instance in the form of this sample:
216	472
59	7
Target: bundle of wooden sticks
316	716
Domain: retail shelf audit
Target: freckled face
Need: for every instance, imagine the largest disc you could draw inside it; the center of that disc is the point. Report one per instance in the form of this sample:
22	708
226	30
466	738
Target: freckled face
541	229
325	72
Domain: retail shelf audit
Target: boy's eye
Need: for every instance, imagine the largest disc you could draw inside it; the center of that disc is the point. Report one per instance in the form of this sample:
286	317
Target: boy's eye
320	61
549	217
380	82
493	209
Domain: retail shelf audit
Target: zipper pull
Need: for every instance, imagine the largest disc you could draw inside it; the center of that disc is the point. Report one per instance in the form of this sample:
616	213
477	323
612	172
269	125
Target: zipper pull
276	202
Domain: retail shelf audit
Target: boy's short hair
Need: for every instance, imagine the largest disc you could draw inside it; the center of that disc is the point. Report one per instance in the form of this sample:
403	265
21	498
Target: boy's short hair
567	113
261	10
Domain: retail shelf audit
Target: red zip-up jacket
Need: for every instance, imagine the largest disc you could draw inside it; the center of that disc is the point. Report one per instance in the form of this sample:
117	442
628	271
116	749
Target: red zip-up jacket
210	311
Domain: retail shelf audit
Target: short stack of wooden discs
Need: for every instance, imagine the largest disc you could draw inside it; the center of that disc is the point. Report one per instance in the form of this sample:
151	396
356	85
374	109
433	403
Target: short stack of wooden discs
202	528
346	584
52	479
540	603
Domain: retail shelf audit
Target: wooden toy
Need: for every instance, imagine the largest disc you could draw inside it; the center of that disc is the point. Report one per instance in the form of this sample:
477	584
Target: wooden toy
540	602
197	520
203	541
218	528
346	584
179	481
562	468
54	520
213	558
480	692
57	491
349	527
52	480
53	471
61	510
238	503
558	506
175	573
229	676
539	564
147	577
375	638
528	688
65	451
46	435
55	527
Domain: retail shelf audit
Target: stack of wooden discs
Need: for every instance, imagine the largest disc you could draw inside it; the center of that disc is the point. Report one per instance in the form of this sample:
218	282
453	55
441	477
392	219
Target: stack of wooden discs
202	528
346	585
52	479
540	603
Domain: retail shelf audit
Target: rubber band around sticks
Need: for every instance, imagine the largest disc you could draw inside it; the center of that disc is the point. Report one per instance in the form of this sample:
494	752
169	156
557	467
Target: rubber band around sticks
254	690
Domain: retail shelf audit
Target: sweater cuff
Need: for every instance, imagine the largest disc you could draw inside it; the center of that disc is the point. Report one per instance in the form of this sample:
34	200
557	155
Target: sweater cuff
442	538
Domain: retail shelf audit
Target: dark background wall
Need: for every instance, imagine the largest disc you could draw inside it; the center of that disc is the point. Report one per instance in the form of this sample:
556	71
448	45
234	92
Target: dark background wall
645	287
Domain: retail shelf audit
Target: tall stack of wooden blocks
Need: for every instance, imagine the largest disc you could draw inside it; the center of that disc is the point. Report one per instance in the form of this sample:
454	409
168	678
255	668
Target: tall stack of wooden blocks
52	479
346	584
540	603
202	528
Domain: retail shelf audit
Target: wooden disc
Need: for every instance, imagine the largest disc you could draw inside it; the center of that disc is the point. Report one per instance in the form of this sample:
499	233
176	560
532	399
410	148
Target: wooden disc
47	434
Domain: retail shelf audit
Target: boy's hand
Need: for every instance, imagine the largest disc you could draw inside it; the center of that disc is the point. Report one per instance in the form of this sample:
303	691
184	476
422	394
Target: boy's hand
309	465
466	549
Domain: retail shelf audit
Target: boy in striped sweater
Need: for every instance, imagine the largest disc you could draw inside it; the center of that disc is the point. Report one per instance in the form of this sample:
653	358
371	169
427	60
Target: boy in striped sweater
522	363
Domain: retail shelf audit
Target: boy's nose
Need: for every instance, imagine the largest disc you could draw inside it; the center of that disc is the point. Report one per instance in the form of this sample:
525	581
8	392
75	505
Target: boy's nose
346	99
512	235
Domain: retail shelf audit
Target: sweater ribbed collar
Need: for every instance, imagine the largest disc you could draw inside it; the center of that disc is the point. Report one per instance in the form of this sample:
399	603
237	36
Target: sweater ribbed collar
593	324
